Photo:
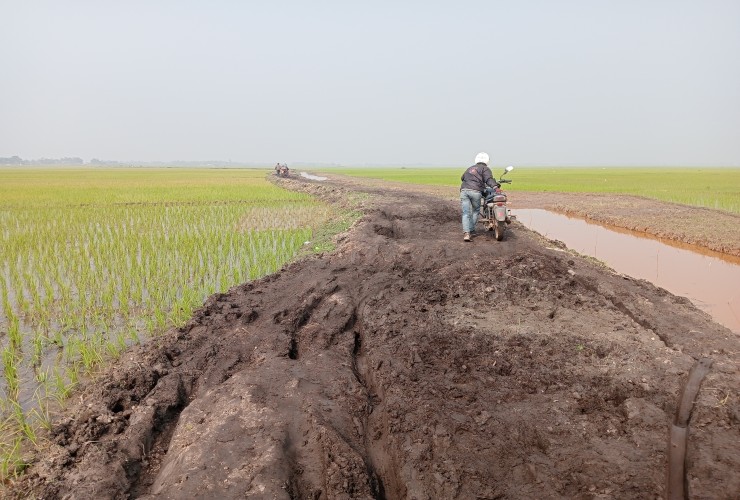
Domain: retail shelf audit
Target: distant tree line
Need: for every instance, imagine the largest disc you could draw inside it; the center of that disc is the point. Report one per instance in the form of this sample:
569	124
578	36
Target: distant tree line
74	160
17	160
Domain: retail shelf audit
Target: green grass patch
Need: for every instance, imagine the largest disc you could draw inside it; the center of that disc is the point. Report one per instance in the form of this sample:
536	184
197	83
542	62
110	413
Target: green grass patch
323	240
717	188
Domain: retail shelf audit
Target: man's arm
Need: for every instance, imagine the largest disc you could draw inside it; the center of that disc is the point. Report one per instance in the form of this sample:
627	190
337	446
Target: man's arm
488	178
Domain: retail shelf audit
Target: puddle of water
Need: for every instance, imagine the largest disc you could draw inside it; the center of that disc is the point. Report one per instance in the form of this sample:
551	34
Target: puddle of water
312	177
709	279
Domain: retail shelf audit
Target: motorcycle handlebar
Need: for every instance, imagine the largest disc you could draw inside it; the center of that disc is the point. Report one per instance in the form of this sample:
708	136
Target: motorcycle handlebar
504	181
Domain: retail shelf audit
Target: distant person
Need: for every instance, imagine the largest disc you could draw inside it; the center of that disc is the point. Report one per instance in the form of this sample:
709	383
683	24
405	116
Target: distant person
474	182
277	169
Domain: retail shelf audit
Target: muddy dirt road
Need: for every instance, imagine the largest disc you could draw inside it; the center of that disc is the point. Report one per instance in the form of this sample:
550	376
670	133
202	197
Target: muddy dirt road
409	364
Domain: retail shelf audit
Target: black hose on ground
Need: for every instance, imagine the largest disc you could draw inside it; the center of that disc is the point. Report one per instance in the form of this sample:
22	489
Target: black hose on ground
677	487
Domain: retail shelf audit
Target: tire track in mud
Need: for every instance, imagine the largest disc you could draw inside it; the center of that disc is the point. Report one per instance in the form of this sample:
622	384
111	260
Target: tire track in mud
379	463
406	364
359	369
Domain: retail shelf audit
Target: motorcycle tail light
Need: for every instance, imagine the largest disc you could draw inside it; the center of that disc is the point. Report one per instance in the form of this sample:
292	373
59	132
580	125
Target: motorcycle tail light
500	203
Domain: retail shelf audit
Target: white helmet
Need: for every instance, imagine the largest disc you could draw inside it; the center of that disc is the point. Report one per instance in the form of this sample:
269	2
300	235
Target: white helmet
481	158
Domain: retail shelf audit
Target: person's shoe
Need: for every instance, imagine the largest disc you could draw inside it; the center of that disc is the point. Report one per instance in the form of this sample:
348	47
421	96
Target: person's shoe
466	236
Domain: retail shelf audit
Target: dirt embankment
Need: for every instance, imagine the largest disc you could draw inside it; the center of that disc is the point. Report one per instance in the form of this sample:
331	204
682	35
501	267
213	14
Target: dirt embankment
717	230
409	364
713	229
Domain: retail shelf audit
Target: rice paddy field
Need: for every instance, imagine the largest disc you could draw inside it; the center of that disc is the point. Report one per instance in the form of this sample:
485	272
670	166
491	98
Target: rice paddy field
717	188
93	260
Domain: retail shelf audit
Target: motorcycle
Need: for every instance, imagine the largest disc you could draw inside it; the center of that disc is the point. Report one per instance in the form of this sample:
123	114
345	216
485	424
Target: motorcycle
282	170
495	215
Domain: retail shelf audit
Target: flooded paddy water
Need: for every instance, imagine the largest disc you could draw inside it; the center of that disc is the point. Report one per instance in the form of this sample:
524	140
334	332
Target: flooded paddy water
711	280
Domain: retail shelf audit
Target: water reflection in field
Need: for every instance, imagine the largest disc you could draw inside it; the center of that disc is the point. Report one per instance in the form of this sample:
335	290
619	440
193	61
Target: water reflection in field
709	279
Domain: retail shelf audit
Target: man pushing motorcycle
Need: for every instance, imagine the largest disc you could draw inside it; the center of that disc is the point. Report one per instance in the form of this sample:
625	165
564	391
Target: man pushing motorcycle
474	182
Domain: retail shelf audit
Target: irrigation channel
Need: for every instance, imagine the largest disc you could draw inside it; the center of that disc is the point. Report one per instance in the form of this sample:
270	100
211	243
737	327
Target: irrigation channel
709	279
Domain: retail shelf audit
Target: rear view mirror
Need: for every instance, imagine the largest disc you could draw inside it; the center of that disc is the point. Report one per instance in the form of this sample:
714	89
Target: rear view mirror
509	168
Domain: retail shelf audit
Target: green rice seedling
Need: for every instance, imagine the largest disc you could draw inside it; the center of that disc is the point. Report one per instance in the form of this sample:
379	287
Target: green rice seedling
42	376
73	372
14	333
5	297
20	298
112	350
71	349
10	371
38	346
121	342
90	354
133	334
11	462
60	386
22	423
58	338
180	312
41	413
151	324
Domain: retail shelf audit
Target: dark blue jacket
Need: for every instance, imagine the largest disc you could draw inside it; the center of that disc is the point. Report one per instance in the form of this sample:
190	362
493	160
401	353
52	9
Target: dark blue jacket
477	178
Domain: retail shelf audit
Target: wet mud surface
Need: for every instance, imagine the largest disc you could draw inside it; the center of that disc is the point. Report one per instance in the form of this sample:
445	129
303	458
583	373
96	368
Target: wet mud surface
409	364
716	230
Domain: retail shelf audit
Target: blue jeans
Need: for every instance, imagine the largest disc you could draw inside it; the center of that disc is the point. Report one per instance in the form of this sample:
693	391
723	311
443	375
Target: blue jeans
470	202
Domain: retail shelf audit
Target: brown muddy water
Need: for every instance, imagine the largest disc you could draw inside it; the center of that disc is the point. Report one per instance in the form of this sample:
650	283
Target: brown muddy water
711	280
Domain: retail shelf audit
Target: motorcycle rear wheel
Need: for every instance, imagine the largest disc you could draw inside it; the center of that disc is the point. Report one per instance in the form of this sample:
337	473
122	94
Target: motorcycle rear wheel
499	230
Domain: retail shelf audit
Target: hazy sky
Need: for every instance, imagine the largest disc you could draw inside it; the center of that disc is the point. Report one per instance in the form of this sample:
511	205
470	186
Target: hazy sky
643	82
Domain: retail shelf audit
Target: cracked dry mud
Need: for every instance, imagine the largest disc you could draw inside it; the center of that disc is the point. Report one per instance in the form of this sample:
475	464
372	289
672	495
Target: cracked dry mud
409	364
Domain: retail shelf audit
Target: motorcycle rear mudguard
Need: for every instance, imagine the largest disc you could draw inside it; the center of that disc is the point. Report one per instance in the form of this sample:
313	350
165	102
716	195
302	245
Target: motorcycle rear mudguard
499	213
